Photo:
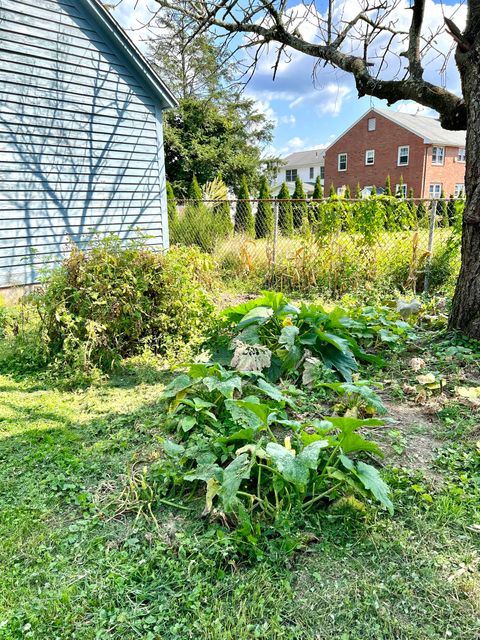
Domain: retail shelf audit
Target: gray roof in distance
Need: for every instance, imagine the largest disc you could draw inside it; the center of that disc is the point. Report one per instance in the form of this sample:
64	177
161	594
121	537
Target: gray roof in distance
301	158
427	128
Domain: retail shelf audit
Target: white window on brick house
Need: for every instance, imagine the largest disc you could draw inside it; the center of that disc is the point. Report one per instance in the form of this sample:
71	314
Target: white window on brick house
290	175
435	190
342	161
370	156
372	124
340	191
401	189
438	155
403	156
312	172
461	155
459	190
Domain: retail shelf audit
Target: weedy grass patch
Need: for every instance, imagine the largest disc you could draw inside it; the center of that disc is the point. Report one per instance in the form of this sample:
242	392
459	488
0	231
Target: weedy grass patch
103	489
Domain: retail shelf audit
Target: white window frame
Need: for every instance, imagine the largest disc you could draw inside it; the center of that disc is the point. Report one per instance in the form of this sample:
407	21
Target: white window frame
372	124
322	172
461	154
434	156
404	189
341	155
292	177
432	191
311	173
368	151
341	191
403	164
459	188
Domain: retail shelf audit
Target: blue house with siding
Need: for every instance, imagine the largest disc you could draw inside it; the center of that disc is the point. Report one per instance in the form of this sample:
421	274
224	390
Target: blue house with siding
81	146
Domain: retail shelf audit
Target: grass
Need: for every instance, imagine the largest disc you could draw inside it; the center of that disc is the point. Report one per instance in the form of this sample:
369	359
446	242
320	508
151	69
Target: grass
76	562
337	264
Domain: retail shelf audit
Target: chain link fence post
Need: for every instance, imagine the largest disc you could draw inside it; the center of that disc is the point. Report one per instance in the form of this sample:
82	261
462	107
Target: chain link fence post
431	238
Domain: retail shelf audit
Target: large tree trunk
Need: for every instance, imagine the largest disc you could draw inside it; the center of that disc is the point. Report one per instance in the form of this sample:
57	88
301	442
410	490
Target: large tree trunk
465	314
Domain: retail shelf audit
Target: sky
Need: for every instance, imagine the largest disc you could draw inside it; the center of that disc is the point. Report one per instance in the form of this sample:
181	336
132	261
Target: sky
311	112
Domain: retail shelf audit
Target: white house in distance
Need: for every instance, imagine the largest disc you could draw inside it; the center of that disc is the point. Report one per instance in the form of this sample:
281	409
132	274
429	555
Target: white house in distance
306	164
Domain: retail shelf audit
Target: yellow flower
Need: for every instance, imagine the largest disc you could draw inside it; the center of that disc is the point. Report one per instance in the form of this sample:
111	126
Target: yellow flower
288	445
287	322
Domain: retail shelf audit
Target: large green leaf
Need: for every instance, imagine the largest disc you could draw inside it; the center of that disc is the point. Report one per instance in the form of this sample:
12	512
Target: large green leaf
258	315
288	465
371	480
250	414
339	343
238	470
347	425
225	386
273	392
288	335
241	434
353	442
180	383
344	363
295	469
204	472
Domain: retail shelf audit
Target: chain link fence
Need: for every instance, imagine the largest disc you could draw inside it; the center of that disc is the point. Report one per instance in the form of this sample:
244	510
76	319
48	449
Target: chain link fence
333	246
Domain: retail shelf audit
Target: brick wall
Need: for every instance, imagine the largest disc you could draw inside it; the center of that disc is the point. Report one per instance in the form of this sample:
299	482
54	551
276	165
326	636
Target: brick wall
385	140
451	173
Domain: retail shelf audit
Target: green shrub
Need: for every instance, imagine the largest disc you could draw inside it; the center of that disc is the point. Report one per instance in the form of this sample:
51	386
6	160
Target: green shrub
194	191
285	211
113	300
300	207
201	225
264	215
244	222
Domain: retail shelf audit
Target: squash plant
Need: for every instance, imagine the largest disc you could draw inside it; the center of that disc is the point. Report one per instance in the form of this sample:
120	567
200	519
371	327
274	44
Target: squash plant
292	334
238	438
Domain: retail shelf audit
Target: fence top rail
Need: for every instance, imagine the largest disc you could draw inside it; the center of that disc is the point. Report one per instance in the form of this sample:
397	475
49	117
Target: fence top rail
315	200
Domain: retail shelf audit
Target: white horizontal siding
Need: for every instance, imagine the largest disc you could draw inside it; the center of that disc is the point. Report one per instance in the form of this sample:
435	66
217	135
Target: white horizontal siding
79	138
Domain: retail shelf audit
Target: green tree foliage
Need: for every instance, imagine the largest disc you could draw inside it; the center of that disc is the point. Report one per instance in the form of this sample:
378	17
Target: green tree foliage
399	191
442	209
332	191
194	191
358	192
215	127
422	214
318	189
388	187
373	191
171	204
264	215
347	195
244	221
300	207
285	211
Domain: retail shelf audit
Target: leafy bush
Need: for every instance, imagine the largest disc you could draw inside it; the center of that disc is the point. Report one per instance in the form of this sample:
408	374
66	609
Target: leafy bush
201	225
113	300
298	338
237	440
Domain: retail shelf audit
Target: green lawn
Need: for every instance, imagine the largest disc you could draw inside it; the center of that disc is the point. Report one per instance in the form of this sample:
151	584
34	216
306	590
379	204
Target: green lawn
75	562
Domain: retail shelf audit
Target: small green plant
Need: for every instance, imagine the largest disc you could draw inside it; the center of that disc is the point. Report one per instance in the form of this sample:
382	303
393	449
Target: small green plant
114	300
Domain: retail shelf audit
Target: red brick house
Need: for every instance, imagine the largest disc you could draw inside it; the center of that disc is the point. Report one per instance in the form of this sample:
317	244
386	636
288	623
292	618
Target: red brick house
385	142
